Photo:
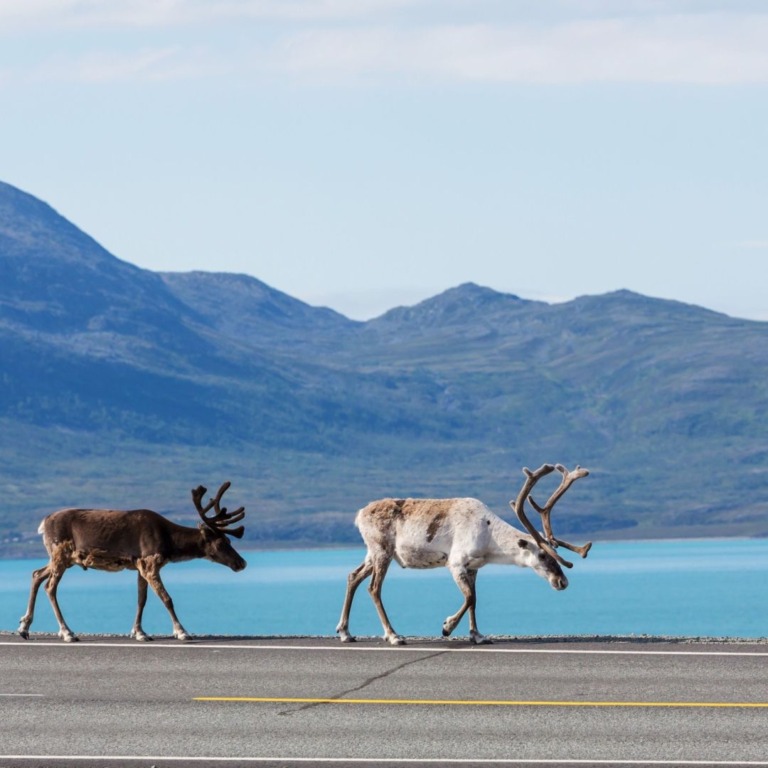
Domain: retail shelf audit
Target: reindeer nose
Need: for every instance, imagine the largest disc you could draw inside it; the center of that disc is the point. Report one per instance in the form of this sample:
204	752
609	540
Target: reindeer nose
559	583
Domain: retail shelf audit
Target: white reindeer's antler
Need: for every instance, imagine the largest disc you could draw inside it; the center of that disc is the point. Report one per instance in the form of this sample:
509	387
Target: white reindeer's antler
550	543
546	510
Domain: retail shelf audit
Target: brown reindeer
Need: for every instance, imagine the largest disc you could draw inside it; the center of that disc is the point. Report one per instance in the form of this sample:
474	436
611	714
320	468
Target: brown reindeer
140	540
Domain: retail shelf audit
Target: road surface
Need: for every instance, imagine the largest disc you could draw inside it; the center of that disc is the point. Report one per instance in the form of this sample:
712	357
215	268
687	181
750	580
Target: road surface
109	701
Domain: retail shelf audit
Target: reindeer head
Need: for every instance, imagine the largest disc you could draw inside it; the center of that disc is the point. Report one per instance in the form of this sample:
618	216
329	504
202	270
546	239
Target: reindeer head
543	558
543	564
214	528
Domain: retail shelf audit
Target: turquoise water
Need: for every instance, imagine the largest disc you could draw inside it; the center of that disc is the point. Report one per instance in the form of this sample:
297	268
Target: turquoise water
712	588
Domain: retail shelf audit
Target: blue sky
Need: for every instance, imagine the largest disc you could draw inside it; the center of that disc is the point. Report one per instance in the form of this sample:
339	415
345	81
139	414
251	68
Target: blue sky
363	154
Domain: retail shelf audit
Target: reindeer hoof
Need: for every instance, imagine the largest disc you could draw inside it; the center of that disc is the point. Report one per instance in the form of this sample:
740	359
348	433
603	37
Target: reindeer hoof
477	639
345	637
68	637
395	640
24	634
142	637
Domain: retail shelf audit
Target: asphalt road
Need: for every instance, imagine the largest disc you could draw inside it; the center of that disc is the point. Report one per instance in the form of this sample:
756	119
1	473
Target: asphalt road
304	701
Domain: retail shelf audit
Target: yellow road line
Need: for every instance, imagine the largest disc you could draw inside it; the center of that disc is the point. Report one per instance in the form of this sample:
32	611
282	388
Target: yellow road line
490	703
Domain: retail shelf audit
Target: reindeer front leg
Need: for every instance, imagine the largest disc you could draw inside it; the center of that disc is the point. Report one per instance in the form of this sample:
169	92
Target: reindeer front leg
149	569
380	567
465	580
65	633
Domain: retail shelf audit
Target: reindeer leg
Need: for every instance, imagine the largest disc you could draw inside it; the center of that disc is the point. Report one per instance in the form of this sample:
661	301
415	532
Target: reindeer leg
150	570
380	566
474	635
355	578
465	580
137	632
461	577
38	577
56	572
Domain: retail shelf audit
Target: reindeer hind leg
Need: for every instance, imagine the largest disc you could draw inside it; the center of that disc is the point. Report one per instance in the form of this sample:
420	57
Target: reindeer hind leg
355	578
38	577
137	632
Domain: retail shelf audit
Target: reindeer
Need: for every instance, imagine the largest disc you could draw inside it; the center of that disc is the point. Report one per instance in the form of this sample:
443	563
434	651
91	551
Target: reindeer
140	540
462	535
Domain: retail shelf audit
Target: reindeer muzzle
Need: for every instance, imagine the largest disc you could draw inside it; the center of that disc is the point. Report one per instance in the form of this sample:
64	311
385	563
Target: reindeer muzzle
558	582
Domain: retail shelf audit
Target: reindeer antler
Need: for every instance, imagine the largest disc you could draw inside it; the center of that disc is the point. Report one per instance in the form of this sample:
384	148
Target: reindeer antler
546	510
519	509
221	519
550	543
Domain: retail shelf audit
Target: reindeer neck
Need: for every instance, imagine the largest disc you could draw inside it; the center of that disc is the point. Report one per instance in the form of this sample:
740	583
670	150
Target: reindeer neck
187	543
506	547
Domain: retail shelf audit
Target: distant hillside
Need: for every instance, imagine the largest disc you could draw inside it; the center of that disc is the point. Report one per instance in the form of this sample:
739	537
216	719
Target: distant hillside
241	307
123	387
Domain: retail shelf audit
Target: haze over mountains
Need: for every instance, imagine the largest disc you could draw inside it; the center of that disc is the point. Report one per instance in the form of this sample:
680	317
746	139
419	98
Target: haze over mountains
126	388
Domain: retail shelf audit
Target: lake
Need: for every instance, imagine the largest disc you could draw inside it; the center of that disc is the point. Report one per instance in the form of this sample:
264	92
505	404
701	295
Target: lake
695	588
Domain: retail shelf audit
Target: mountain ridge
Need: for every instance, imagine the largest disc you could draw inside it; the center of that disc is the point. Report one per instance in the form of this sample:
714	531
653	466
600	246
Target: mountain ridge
114	379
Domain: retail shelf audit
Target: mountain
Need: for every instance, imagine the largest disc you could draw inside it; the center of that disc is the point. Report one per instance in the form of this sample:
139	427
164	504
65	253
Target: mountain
126	388
239	306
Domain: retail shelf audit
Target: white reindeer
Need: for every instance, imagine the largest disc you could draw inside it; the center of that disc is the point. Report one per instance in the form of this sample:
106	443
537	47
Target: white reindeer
461	534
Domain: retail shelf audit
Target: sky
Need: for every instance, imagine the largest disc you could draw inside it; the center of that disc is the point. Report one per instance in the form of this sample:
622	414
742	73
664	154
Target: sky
366	154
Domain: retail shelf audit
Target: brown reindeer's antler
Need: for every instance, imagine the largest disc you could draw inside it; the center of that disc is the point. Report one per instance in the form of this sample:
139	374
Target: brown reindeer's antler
550	543
222	519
